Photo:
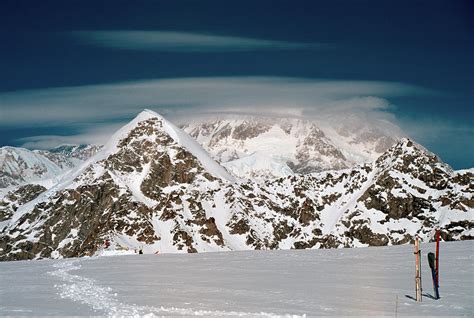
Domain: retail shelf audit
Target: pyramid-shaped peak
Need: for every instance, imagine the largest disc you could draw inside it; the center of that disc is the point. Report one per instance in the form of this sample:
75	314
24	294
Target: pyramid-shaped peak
409	154
149	123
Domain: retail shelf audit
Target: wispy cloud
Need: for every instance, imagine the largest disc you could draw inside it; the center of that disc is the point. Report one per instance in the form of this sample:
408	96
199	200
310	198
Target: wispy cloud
182	99
89	134
289	96
182	41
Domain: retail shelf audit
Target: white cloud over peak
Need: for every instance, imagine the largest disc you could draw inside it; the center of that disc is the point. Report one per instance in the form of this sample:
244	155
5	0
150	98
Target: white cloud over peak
109	105
279	95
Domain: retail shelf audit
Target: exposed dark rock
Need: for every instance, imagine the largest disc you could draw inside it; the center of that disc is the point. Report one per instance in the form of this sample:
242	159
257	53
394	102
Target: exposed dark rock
365	235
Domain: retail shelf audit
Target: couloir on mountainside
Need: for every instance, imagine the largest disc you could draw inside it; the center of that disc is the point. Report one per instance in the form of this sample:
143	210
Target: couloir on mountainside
152	186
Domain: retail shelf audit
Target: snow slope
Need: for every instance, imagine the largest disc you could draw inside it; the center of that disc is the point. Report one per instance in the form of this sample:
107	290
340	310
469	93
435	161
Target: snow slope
20	166
258	165
374	281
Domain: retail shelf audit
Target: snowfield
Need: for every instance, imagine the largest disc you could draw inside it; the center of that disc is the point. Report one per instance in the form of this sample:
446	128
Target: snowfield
361	281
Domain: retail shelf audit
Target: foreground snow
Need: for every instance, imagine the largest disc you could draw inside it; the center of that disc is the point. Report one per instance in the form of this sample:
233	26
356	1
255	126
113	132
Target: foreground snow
363	281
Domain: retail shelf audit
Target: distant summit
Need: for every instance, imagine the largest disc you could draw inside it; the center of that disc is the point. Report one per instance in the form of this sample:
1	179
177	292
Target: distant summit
290	145
22	166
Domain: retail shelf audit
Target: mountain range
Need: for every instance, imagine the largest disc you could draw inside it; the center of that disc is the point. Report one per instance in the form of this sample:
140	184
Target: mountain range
154	187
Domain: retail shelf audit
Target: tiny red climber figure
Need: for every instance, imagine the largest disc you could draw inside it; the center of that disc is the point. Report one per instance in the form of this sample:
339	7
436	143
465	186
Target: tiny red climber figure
106	243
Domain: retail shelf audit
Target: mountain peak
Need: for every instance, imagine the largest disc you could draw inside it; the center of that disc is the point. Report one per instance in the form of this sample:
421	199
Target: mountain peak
406	146
409	157
149	133
147	114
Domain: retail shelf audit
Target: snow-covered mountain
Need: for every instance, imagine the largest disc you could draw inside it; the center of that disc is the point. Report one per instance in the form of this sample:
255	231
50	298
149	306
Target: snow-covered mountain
153	187
247	146
291	145
22	166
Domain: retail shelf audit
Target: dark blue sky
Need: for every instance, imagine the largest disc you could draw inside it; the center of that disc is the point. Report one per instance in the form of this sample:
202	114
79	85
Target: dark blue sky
427	44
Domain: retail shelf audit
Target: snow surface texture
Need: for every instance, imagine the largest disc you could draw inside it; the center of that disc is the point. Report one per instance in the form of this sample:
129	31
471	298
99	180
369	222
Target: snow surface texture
374	281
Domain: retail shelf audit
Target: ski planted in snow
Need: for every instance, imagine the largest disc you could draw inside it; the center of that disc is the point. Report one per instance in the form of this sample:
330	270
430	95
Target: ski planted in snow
432	263
417	269
437	257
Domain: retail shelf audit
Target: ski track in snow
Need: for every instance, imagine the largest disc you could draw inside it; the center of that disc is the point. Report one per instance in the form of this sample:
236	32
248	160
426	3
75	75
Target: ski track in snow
104	301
